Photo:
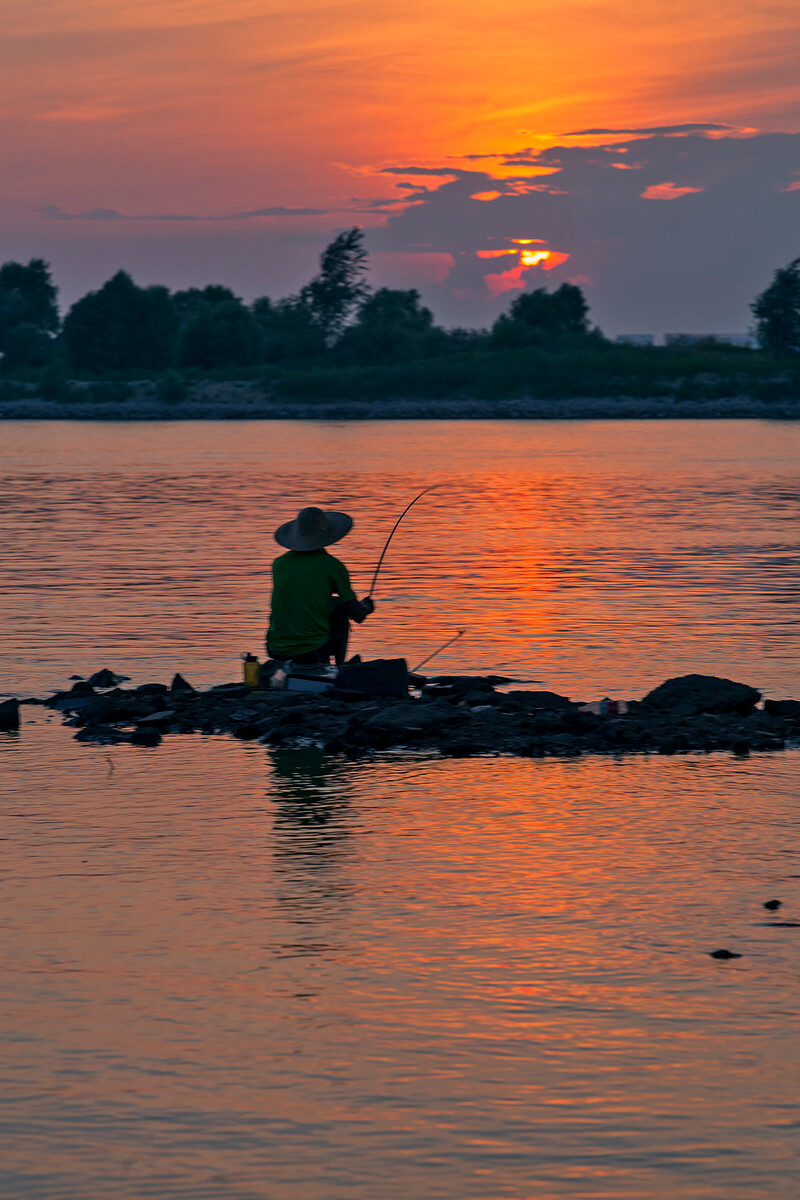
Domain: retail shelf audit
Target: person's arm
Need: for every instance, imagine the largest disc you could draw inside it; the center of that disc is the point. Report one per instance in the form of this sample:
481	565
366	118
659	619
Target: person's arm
349	605
358	610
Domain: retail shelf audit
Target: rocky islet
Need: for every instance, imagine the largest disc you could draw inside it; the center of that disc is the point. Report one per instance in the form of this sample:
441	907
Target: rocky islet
456	716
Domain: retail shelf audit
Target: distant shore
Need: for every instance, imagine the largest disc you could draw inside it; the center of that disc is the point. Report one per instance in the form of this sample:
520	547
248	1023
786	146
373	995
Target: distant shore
215	401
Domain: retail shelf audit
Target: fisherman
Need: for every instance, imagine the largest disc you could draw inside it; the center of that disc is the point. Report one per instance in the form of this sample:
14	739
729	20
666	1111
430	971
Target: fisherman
312	599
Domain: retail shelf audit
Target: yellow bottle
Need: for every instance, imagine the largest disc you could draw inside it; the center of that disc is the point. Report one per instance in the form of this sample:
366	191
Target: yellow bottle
252	669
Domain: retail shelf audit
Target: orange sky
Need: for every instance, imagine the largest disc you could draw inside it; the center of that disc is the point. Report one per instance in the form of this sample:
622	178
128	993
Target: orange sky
164	104
209	109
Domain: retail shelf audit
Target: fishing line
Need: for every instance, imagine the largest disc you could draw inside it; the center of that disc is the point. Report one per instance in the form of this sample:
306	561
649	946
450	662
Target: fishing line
391	535
460	633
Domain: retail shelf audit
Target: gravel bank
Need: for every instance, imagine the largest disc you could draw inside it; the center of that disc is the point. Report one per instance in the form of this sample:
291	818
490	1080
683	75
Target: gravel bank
248	401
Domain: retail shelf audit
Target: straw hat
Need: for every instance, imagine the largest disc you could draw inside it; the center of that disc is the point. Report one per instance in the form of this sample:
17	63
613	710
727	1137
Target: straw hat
312	529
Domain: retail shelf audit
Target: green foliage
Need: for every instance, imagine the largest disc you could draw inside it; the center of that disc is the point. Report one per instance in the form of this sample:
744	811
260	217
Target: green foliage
54	381
289	331
391	326
111	391
121	326
218	335
339	287
188	302
171	388
534	318
777	311
583	367
11	389
27	297
27	345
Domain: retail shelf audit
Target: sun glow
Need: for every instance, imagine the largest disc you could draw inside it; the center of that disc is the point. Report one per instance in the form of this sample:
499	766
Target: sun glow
514	278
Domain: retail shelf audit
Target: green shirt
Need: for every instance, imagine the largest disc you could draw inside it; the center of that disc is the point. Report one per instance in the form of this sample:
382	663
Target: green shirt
302	586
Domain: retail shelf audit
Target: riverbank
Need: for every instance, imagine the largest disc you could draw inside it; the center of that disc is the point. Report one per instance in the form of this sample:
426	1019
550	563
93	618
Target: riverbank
248	400
455	716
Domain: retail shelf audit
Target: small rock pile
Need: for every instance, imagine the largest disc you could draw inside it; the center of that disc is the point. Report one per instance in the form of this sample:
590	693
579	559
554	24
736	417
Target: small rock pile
453	715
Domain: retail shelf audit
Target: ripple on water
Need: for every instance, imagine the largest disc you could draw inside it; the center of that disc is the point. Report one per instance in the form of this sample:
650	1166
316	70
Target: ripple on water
244	972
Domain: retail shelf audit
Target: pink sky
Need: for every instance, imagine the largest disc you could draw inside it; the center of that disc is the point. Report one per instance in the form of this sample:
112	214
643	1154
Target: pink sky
208	111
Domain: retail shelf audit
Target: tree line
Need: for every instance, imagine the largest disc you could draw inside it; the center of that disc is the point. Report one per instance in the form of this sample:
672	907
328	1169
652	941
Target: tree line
334	320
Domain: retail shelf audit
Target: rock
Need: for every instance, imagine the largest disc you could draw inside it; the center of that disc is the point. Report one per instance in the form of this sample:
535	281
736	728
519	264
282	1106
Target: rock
724	954
179	684
741	747
105	735
461	683
248	731
105	679
772	905
9	714
456	749
457	716
145	737
787	709
533	700
98	710
157	718
413	715
702	694
348	695
475	697
81	688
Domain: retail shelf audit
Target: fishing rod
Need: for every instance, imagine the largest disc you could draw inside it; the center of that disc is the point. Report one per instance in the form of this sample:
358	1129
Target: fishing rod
391	535
460	633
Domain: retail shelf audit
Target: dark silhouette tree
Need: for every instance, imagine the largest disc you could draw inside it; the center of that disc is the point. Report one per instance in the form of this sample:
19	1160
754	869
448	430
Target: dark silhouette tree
224	334
289	331
339	287
187	303
535	317
777	311
26	345
390	326
121	327
27	297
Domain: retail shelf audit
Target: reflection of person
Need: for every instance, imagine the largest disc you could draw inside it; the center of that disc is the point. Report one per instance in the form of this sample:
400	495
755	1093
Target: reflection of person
306	623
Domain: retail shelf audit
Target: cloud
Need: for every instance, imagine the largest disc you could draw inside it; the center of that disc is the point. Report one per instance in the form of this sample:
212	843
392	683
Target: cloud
667	191
657	130
691	266
276	210
51	212
440	171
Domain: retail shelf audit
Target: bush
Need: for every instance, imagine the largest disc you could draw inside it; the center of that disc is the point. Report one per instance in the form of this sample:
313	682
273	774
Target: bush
10	389
171	388
54	381
111	391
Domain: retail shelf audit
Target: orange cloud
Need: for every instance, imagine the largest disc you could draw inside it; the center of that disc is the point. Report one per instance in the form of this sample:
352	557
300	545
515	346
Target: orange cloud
515	278
668	191
485	195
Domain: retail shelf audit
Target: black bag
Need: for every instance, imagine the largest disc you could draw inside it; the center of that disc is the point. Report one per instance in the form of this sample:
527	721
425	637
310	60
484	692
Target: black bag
381	677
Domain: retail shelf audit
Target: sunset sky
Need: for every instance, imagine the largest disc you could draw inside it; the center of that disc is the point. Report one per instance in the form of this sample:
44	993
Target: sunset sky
191	141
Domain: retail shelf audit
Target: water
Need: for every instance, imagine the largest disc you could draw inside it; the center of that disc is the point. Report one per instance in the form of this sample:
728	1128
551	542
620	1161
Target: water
600	556
231	972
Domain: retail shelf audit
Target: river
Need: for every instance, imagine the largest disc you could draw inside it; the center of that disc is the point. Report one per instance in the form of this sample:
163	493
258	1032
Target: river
244	973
